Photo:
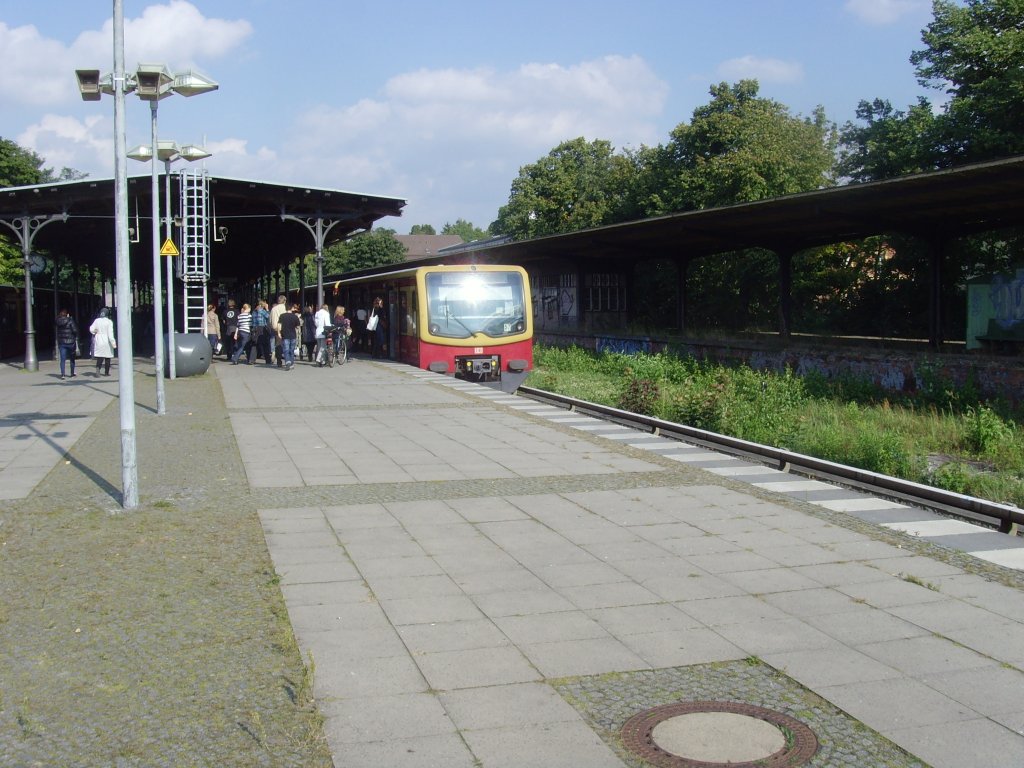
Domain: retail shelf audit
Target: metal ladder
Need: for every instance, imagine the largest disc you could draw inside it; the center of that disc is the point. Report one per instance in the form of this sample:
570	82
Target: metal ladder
193	265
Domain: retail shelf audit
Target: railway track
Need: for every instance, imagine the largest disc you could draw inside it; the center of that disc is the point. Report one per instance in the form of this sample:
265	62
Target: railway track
1002	517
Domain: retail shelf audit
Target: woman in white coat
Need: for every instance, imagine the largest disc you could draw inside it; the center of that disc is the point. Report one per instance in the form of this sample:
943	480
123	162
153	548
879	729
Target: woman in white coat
103	341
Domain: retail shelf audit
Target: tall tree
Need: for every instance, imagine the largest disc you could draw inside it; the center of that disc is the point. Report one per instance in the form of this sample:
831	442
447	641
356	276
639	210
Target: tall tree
579	184
372	249
422	229
974	52
19	166
890	143
737	148
465	230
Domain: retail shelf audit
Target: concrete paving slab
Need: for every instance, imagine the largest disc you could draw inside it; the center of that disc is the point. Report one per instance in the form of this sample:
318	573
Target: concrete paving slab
682	648
992	691
522	602
347	677
834	665
896	704
768	636
507	706
891	593
937	527
466	635
389	588
579	574
313	573
476	667
751	470
589	656
770	581
425	610
614	595
558	745
1003	642
947	615
858	504
855	628
643	619
448	750
1009	558
814	601
550	627
957	744
925	655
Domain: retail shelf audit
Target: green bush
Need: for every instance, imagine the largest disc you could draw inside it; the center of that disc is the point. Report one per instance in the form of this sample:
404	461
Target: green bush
984	429
640	396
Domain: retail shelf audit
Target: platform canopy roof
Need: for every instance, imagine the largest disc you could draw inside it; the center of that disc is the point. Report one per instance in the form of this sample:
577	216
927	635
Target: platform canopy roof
257	239
941	205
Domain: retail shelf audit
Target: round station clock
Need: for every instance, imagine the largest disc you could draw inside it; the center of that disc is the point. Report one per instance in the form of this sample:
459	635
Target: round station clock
36	263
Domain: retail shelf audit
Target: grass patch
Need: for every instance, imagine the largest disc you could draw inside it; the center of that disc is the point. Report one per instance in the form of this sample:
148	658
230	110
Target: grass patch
919	582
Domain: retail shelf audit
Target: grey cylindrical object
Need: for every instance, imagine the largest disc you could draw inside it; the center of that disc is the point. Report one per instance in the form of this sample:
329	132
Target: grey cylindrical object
192	354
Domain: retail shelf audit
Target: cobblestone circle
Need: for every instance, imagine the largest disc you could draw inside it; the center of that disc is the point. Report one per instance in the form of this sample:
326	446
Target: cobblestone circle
607	701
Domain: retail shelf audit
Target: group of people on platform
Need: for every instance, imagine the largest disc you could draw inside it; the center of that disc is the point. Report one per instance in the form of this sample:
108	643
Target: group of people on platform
101	346
275	334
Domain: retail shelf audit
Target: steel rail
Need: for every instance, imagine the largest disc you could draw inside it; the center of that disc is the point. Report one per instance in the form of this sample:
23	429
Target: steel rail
1005	517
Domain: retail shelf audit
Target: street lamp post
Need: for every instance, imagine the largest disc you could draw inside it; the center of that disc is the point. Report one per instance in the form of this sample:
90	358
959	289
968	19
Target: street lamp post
150	85
91	88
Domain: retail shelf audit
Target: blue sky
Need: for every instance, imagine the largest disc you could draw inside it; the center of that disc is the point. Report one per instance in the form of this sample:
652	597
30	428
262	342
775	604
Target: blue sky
439	103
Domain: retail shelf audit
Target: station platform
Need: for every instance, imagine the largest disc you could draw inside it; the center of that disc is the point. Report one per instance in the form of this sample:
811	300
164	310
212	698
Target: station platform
481	580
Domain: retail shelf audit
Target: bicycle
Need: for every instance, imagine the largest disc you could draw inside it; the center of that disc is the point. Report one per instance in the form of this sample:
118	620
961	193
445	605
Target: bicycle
341	352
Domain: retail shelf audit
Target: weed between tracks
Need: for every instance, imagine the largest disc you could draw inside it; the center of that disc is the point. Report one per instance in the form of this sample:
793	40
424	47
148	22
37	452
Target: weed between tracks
942	435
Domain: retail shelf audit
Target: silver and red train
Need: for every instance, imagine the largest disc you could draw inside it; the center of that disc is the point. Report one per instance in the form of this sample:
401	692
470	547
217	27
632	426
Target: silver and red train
473	321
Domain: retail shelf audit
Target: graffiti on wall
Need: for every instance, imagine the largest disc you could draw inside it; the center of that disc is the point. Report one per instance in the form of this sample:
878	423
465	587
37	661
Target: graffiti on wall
558	306
622	346
1007	296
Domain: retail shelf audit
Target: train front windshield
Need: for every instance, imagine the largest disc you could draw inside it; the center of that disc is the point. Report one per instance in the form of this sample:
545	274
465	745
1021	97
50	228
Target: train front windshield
462	305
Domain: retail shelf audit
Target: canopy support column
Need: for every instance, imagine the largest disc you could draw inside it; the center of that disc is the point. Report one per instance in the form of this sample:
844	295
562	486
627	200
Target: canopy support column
785	293
682	268
317	228
25	229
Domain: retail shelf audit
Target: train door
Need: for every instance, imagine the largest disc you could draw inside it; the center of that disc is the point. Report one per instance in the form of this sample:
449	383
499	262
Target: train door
408	342
391	302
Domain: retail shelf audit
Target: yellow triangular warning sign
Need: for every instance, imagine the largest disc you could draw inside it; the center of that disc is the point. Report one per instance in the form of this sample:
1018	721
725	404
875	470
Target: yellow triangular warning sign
169	248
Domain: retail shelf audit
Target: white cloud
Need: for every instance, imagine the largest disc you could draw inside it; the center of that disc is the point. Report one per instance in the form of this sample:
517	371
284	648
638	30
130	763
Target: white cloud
882	12
65	141
444	137
40	71
764	70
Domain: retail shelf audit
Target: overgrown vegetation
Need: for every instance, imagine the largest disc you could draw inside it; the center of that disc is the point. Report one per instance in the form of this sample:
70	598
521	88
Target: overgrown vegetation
942	434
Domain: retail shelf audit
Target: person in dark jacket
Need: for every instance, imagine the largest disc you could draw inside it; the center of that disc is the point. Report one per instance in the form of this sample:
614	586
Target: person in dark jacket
67	341
229	328
308	333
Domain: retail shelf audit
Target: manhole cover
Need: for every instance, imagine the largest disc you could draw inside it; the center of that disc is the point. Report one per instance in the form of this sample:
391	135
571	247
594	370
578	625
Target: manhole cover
708	734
